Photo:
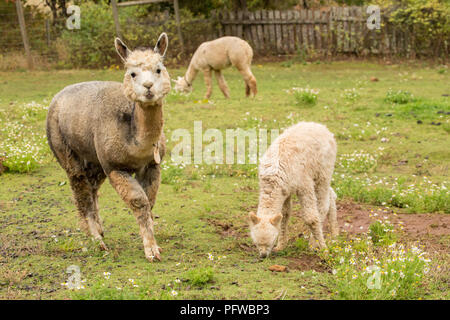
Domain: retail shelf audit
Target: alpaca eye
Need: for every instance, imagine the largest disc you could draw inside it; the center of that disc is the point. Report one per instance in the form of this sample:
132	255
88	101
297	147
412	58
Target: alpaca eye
133	74
158	71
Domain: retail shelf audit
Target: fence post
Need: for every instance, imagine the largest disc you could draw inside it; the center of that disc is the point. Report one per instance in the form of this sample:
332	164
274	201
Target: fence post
177	17
116	18
47	31
23	31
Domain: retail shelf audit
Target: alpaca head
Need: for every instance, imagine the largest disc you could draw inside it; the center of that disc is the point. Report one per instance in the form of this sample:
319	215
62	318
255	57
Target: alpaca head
264	231
146	79
181	85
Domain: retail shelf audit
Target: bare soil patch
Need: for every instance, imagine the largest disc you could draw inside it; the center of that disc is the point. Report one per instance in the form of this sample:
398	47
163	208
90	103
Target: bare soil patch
430	229
226	228
354	218
307	262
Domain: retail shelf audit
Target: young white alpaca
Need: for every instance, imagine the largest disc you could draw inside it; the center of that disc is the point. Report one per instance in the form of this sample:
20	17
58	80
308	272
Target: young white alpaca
300	161
217	55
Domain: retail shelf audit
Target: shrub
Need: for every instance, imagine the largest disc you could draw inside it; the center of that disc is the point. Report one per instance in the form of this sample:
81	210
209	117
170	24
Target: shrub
305	96
92	45
200	276
365	271
399	97
427	22
382	233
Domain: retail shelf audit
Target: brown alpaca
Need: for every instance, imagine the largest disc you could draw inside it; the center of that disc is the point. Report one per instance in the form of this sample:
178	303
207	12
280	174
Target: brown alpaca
114	130
217	55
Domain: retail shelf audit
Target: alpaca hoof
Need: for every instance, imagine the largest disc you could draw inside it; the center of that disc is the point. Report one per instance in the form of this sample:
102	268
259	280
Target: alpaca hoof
153	253
152	258
102	245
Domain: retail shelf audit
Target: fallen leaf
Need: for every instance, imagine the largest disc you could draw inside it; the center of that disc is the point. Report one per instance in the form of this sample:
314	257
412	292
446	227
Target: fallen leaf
278	268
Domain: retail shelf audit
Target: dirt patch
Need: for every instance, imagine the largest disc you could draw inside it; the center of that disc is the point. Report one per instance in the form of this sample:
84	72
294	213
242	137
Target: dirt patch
246	247
354	218
226	229
432	230
13	249
307	262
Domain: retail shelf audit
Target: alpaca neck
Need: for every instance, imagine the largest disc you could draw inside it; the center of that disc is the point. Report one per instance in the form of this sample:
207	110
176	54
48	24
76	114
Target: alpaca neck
190	75
270	203
148	121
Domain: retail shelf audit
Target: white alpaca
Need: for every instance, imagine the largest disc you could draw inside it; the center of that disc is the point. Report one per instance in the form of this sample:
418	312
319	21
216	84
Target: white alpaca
217	55
300	161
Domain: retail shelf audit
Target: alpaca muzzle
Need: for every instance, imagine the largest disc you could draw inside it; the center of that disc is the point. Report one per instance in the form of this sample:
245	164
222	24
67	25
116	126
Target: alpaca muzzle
149	95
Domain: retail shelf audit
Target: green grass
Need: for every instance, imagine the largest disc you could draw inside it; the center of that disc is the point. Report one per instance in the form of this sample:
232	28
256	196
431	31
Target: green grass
385	157
382	233
365	271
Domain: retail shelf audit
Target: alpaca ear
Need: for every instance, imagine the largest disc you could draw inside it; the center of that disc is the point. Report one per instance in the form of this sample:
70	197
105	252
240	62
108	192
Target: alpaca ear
254	219
161	45
122	49
276	220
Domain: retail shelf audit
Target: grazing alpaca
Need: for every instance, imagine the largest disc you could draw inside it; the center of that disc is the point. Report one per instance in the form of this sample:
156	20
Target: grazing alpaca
110	129
217	55
300	161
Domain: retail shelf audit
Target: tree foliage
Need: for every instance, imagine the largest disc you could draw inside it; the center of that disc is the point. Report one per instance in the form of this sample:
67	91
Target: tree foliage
426	23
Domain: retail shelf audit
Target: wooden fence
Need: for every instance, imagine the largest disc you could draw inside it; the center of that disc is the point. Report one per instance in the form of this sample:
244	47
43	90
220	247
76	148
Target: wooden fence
307	33
322	32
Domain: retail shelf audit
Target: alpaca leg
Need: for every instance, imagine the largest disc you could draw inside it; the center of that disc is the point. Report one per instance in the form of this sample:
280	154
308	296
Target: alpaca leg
208	82
96	177
332	215
283	237
323	199
250	81
134	196
86	201
311	216
222	83
150	179
81	178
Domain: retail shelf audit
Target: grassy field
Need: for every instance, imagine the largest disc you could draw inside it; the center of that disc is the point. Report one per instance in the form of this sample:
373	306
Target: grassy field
392	126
